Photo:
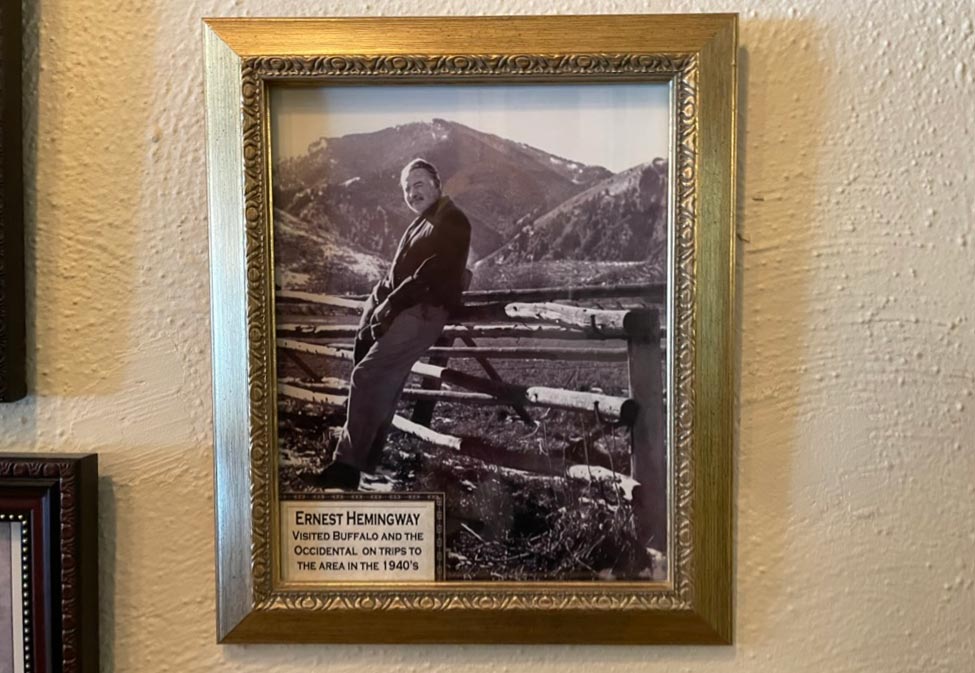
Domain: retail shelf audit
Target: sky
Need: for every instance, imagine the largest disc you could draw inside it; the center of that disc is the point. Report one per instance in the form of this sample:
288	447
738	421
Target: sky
611	125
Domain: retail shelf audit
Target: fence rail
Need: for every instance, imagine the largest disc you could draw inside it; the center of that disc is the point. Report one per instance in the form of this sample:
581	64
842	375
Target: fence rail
522	352
400	423
533	314
653	293
334	394
606	406
533	353
514	331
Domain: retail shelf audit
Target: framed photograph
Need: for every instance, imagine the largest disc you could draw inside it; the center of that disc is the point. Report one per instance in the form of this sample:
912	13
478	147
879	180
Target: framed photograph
472	308
48	564
13	384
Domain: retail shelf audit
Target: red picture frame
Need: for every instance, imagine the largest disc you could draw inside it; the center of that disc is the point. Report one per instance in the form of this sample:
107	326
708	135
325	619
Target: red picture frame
55	498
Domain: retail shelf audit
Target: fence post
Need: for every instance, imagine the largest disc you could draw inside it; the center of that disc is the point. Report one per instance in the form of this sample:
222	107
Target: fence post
648	452
494	376
423	409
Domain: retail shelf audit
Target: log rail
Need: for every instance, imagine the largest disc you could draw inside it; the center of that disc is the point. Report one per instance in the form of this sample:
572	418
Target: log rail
534	314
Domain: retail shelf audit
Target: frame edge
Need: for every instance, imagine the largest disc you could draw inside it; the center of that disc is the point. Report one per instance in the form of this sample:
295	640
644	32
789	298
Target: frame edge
476	627
13	328
715	333
228	315
87	543
710	620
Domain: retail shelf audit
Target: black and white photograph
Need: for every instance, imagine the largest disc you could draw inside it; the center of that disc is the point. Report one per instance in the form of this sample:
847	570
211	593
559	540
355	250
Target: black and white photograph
471	298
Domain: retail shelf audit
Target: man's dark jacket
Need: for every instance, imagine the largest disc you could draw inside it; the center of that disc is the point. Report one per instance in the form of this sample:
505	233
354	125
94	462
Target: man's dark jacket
428	268
429	264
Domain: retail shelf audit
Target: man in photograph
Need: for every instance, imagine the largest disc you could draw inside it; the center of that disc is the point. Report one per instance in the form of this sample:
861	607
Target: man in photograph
402	318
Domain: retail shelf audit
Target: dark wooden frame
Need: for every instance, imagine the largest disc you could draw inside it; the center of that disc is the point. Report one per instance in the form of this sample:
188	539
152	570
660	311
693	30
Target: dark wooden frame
57	498
13	385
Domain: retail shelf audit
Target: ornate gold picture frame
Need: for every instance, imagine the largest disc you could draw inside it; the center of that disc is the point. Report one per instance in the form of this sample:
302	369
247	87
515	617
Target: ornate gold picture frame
681	334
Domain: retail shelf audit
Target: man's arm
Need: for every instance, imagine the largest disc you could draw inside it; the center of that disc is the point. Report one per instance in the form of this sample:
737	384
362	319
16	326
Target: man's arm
438	279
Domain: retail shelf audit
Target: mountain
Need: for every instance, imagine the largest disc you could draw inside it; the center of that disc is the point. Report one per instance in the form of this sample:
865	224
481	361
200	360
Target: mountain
350	184
621	219
312	259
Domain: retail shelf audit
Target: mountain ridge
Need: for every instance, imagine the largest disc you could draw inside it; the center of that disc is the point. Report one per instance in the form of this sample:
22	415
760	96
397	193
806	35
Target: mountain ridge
526	206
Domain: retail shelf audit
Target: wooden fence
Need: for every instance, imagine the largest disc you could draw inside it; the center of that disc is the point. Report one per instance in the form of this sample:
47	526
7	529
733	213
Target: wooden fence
533	314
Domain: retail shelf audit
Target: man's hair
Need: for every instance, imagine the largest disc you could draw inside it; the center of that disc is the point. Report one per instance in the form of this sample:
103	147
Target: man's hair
421	164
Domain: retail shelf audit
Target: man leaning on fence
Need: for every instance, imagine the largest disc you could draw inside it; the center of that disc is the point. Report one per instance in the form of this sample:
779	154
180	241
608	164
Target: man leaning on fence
403	317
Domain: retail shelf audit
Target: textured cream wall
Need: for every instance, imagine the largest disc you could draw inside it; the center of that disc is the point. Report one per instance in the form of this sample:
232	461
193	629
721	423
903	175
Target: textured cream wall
856	459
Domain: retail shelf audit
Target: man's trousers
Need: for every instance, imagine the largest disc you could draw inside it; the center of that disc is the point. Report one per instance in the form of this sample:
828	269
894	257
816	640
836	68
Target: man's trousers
377	382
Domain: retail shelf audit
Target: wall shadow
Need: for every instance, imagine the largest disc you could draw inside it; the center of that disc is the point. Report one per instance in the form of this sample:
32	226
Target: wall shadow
778	149
156	544
107	563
